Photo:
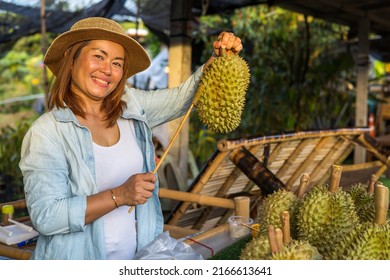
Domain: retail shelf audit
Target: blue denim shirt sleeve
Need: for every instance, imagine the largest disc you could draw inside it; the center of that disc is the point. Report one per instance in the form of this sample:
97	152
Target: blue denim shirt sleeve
163	105
53	206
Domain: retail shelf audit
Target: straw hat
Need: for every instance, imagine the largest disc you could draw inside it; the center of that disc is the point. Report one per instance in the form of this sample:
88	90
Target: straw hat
97	28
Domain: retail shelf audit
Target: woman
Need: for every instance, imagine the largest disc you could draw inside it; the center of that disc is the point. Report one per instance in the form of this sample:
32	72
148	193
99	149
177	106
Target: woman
88	159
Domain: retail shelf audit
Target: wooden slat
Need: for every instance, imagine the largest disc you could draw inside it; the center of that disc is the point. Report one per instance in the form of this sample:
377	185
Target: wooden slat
309	160
203	179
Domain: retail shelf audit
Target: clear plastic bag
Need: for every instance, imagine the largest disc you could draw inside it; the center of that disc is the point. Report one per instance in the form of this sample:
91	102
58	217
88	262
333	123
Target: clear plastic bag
164	247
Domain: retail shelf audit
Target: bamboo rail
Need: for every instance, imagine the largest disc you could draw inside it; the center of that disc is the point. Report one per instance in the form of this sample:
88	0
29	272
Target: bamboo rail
197	198
14	253
225	145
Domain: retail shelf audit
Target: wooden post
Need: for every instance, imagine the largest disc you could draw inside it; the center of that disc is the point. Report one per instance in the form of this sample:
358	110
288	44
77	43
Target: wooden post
179	71
362	63
242	206
381	198
43	42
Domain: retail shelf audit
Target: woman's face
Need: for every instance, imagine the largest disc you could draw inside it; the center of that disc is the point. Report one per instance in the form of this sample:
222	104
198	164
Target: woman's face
98	69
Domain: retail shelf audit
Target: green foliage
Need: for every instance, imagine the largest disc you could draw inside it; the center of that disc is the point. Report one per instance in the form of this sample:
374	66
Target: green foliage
203	141
10	144
299	67
296	63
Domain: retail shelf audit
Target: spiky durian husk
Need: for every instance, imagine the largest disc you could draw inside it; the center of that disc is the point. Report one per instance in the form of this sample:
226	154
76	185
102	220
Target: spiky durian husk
369	241
256	249
259	249
298	250
222	93
271	208
325	217
364	202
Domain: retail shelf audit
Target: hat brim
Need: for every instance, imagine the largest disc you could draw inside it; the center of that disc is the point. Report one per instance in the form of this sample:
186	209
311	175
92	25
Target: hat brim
138	59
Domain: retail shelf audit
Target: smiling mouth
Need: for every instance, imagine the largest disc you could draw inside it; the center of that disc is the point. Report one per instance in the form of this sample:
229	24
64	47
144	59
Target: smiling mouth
102	82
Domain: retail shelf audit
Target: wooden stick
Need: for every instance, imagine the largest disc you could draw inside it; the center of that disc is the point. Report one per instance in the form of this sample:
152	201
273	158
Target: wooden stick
251	228
170	144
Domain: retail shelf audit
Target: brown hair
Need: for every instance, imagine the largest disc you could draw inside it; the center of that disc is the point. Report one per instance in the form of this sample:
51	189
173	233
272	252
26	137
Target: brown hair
62	96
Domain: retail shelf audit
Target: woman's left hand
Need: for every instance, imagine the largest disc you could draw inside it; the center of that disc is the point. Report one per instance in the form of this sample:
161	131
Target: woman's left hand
228	41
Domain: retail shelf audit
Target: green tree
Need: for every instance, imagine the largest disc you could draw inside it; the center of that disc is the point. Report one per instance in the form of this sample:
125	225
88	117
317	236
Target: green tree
300	67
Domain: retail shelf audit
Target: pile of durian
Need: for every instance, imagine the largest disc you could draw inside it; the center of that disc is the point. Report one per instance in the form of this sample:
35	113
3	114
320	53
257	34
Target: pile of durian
325	222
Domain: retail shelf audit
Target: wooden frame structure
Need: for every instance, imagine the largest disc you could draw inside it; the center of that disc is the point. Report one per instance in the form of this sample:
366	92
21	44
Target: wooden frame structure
286	156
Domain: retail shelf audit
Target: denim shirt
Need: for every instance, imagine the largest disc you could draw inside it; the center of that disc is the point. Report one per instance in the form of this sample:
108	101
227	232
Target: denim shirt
58	170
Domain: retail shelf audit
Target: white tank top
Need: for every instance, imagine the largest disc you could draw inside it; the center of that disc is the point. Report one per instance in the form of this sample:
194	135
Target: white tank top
114	165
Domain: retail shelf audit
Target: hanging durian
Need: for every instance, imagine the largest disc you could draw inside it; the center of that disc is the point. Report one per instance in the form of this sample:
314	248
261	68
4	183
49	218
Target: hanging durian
326	214
220	97
370	240
274	204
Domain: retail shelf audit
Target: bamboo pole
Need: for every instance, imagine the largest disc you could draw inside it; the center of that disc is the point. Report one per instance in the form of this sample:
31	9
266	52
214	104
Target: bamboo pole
242	206
224	144
208	234
179	232
170	145
44	47
197	198
308	161
199	184
17	204
14	253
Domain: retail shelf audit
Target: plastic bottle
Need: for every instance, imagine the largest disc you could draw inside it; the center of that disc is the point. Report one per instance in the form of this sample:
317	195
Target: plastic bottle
7	212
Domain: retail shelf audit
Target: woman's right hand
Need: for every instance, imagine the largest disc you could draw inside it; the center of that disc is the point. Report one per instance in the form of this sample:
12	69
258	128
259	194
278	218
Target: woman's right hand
136	190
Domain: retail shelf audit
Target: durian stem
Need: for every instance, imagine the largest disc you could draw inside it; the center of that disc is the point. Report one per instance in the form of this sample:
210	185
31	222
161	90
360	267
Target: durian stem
170	144
381	197
303	185
285	218
371	184
222	52
279	239
335	177
272	239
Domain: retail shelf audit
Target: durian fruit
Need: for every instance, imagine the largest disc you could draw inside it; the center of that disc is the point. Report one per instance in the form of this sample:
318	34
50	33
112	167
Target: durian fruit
220	97
363	197
273	205
256	249
277	245
292	249
370	240
297	250
326	214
